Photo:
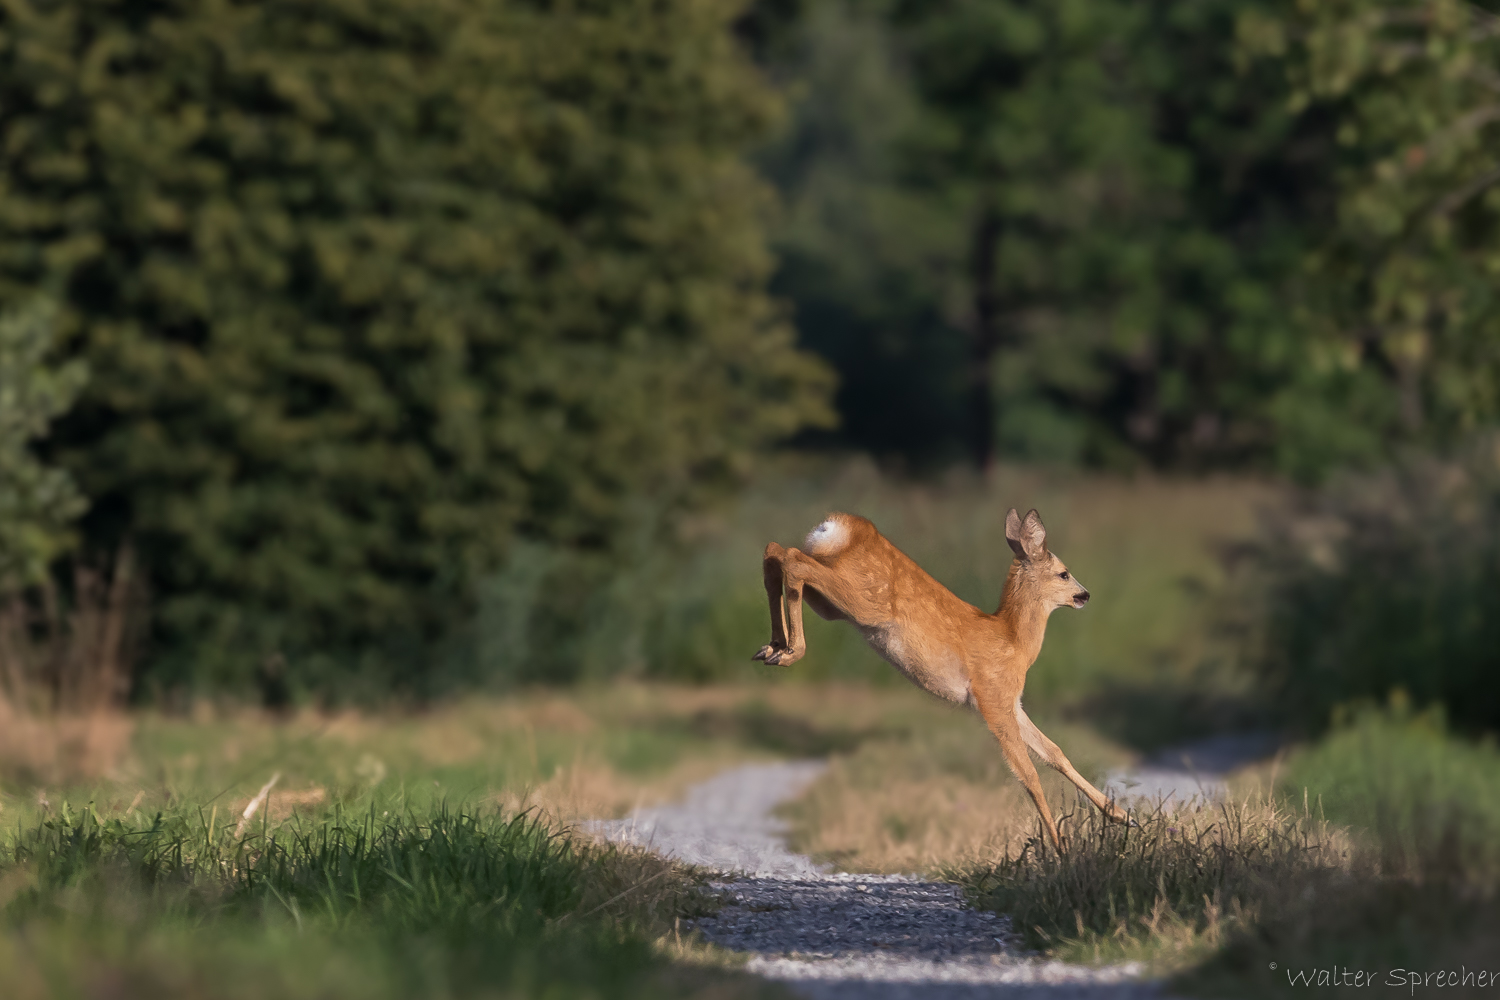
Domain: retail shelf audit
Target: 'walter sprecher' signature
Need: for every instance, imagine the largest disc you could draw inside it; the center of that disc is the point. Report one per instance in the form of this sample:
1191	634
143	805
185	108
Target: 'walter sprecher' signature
1410	978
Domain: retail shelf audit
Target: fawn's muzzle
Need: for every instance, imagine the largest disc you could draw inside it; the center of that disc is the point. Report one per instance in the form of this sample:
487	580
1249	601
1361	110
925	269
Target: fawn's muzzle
1080	599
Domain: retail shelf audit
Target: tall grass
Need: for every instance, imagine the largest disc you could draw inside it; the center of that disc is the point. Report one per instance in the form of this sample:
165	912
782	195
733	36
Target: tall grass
695	609
1427	803
444	903
1374	849
1175	883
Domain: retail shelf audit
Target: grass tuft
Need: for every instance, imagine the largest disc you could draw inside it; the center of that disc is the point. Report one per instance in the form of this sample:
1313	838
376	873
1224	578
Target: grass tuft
1374	849
1172	884
433	904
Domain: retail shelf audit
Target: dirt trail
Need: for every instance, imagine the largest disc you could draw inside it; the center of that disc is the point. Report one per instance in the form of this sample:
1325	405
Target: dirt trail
847	937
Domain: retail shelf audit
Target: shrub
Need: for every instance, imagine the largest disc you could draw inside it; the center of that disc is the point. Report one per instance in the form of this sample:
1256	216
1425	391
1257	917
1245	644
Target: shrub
369	288
1383	582
1426	798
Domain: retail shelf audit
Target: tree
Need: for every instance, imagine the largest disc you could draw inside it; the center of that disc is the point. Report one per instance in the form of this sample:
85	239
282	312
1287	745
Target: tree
1135	200
1074	214
38	503
370	287
1191	232
1398	301
870	257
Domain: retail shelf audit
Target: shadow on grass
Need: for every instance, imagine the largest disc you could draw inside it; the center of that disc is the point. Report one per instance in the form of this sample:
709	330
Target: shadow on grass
1328	928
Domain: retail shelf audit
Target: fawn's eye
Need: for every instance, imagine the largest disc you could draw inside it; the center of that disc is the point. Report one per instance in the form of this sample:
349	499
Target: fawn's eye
1063	575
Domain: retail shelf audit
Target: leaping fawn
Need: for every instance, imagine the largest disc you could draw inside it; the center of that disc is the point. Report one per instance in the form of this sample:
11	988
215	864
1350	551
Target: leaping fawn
851	572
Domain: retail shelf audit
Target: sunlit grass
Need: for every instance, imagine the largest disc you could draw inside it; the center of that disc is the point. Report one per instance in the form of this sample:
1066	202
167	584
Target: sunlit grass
933	796
1174	883
1374	848
447	902
591	752
1149	549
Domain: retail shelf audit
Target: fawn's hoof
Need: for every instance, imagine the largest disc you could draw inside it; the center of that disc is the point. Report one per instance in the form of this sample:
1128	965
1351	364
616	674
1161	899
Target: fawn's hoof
777	656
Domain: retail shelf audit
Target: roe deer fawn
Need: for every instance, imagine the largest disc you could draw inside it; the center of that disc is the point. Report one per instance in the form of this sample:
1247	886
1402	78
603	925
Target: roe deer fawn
850	572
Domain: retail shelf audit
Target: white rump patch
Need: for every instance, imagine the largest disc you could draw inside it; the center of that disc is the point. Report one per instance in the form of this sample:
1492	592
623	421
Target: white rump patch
827	538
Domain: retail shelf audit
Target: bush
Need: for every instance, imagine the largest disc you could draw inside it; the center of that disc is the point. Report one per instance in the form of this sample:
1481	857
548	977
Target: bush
369	288
37	503
1380	583
1426	798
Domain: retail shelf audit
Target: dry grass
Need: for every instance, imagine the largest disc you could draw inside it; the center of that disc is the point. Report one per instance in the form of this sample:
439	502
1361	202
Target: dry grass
72	650
43	749
874	815
933	797
593	789
593	752
740	723
282	804
1173	890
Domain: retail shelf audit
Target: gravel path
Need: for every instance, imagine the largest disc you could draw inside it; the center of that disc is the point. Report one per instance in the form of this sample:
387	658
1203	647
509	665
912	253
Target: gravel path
847	937
1200	768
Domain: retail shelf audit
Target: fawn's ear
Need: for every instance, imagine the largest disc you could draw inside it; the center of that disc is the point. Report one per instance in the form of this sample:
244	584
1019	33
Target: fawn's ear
1027	538
1013	532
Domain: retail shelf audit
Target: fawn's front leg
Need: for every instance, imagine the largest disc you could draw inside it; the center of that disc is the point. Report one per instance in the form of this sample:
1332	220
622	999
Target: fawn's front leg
1058	761
1002	713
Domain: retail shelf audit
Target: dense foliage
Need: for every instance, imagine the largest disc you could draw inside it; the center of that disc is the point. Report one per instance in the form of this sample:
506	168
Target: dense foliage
1194	232
37	503
381	296
368	288
1380	585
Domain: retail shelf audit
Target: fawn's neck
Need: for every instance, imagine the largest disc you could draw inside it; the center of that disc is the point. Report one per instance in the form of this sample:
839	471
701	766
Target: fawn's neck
1023	613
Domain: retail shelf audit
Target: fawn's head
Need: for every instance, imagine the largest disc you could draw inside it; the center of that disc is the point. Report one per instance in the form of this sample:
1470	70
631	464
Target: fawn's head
1041	573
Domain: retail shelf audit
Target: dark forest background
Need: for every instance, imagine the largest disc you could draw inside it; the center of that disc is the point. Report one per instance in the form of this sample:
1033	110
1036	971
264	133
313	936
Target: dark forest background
329	325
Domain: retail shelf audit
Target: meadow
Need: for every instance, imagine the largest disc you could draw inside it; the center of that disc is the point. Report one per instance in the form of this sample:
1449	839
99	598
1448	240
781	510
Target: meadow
430	850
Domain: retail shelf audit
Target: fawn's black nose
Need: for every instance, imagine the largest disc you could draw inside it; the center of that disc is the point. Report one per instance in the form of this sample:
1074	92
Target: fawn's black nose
1080	599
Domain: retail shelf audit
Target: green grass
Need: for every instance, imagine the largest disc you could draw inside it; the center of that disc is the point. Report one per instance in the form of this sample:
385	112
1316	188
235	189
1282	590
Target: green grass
390	861
1169	886
1423	796
1375	845
444	903
1148	550
1376	849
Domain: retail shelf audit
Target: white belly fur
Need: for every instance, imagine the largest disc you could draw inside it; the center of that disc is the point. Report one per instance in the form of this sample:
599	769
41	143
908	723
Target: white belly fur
946	679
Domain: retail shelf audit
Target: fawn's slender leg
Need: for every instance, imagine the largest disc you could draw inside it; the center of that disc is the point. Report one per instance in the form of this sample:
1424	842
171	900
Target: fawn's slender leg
791	569
1001	714
1058	761
771	570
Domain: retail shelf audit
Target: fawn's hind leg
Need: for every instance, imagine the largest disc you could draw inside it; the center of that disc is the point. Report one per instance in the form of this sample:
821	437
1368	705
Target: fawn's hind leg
781	570
787	571
771	571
